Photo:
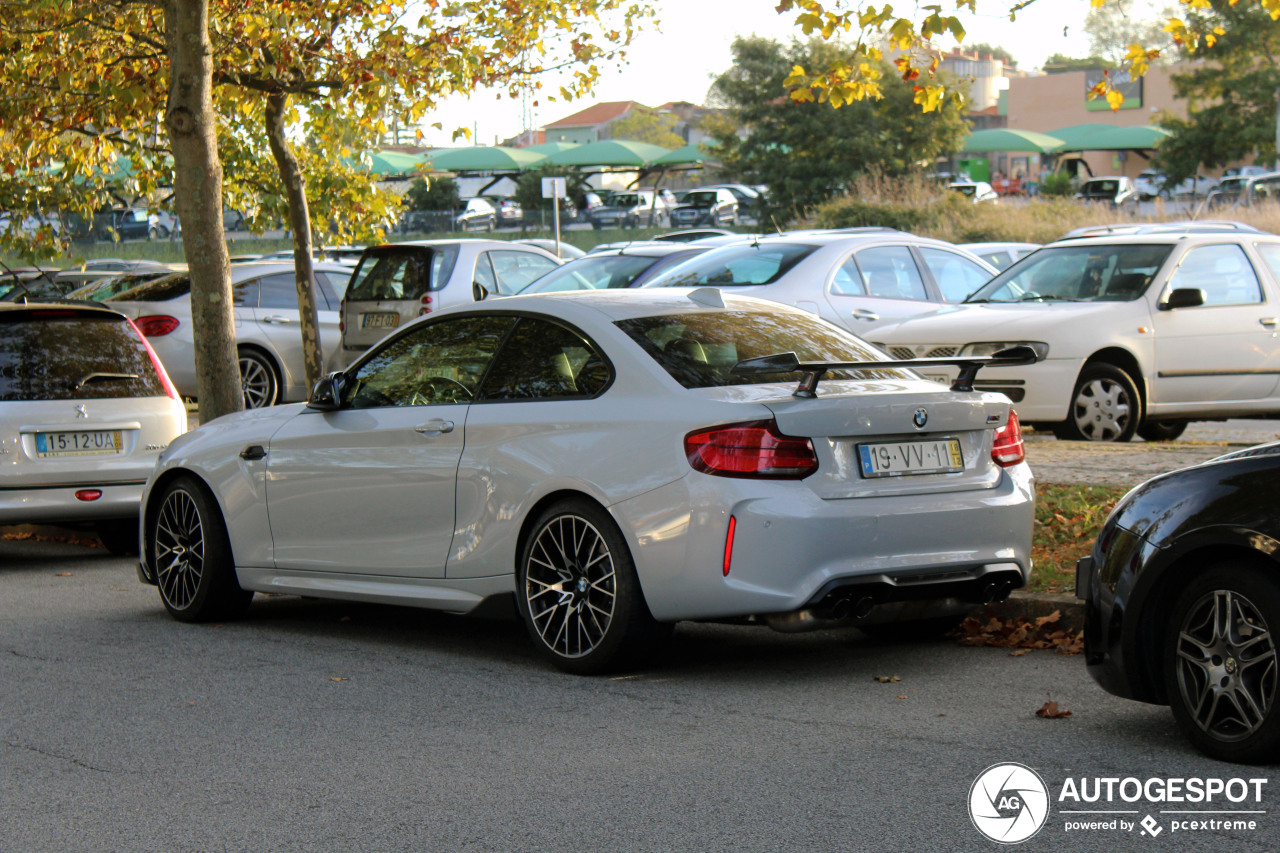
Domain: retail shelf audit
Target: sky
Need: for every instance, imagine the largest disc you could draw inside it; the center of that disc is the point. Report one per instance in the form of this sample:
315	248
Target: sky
677	59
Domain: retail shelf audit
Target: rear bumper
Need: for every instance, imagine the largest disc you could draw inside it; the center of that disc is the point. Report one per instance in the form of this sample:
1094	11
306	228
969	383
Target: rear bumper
59	504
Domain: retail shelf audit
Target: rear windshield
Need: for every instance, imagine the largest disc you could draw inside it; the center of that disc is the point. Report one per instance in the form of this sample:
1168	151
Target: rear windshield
597	272
159	290
700	350
394	273
57	354
737	266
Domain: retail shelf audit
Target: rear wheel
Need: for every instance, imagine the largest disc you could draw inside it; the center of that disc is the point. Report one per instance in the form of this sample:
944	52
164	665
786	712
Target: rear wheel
1222	665
1105	406
259	379
1162	430
578	592
191	554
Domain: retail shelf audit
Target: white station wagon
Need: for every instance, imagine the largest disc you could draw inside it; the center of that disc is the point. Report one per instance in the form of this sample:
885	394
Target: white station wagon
1136	334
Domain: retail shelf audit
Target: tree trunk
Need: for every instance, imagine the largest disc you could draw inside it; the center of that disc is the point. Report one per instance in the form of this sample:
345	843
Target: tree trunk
295	188
197	191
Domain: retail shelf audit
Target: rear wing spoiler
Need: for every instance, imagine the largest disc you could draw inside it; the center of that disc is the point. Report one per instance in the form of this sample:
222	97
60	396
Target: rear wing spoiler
812	371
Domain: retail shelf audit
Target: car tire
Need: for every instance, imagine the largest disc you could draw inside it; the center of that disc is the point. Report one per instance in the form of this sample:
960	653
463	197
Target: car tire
1222	647
259	378
1162	430
153	233
190	552
120	538
1105	406
578	594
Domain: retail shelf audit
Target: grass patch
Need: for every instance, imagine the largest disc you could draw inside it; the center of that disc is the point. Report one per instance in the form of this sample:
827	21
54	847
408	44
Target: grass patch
1068	519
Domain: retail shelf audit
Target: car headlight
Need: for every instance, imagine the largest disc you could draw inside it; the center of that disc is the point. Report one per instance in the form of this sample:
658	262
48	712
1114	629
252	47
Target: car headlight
993	347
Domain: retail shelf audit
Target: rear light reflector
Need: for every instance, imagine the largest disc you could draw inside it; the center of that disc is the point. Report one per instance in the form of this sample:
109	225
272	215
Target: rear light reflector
1008	448
88	494
165	382
754	449
156	325
728	544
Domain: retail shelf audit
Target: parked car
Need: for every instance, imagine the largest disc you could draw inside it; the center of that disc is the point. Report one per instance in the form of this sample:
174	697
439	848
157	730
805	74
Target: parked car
478	215
1183	226
626	266
688	235
1150	184
92	271
749	198
268	336
86	410
23	283
1245	190
396	283
1114	190
590	455
508	210
977	192
633	208
101	289
704	207
856	281
1000	255
139	223
1136	334
560	249
1182	602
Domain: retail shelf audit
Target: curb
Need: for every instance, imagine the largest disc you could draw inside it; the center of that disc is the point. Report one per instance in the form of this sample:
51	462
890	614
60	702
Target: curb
1033	605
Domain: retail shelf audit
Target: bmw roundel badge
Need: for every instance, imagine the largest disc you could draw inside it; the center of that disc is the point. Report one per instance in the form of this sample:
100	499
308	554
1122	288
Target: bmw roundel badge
920	418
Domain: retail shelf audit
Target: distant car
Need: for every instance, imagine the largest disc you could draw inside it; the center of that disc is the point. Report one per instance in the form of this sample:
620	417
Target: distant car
268	337
750	199
613	463
1137	334
856	281
1150	184
1182	602
999	255
705	207
478	215
85	410
1115	191
978	192
396	283
628	266
688	235
508	210
139	223
1245	190
633	208
564	250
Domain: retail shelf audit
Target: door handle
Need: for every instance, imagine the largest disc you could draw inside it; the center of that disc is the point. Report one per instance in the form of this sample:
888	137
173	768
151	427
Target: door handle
1269	322
864	314
253	452
277	320
435	426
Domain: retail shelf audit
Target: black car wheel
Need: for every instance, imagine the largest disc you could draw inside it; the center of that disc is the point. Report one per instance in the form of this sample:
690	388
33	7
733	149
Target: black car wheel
190	552
578	593
1162	430
1221	662
259	380
1105	406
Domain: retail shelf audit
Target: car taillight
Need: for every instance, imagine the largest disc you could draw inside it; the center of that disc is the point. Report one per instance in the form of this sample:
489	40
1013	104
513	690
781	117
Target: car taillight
754	449
426	306
1008	448
156	325
165	382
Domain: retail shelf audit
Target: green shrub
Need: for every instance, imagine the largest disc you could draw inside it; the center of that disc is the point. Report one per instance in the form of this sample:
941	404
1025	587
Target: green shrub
1057	184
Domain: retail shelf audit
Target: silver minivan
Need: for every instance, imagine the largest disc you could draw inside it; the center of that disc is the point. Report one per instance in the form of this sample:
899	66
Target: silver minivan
399	282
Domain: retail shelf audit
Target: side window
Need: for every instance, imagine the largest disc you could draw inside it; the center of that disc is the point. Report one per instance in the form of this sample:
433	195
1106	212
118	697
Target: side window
280	291
513	270
484	273
245	294
1223	272
891	271
847	280
543	360
437	364
956	275
326	295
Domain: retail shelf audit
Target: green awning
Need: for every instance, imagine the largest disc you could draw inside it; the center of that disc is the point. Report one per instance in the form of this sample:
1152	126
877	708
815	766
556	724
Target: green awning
1076	137
388	163
609	152
549	148
689	155
486	158
1003	139
1143	137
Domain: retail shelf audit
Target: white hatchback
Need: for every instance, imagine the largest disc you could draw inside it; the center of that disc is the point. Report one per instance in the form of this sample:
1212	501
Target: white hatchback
1136	334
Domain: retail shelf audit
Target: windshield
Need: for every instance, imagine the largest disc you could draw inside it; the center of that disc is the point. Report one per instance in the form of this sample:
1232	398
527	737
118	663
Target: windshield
1112	273
737	266
700	350
592	273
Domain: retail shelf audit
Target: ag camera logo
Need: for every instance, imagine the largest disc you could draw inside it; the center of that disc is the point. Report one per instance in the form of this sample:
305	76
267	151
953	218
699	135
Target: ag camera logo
1008	803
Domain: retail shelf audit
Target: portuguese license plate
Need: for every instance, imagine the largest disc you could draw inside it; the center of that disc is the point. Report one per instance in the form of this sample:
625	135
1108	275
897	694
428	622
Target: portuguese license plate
903	458
380	320
79	443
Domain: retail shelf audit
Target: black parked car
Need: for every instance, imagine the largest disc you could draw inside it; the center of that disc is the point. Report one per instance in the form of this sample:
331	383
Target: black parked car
705	207
1182	595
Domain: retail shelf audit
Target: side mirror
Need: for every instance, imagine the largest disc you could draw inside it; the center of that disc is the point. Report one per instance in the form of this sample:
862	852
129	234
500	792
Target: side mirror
479	292
1184	297
327	395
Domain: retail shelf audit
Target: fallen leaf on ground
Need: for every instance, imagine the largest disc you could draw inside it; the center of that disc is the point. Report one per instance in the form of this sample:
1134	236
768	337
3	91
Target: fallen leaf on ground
338	678
1019	653
887	679
62	574
1049	710
1019	633
902	697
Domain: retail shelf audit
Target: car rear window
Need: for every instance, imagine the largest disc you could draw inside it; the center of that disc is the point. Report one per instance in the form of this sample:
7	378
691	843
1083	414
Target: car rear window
395	273
736	266
58	354
700	350
596	272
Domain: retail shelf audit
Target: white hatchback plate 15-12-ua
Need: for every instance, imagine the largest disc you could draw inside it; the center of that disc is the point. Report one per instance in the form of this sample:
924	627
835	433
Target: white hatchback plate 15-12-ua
617	461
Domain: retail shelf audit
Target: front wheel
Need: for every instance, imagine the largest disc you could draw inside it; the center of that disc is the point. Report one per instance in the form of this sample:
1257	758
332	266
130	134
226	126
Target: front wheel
1162	430
258	379
188	547
1105	406
578	592
1221	663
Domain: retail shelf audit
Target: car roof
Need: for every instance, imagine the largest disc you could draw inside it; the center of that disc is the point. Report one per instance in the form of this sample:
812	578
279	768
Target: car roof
479	243
87	308
1205	226
630	303
1171	237
639	249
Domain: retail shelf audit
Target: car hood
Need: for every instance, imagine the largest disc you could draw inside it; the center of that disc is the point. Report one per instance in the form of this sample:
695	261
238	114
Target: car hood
967	323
